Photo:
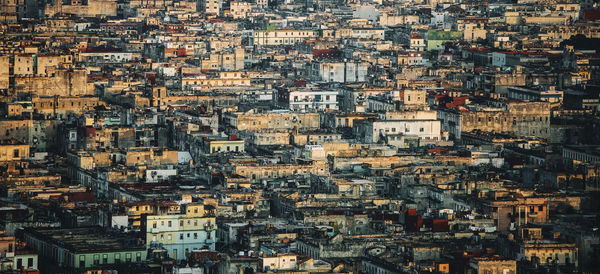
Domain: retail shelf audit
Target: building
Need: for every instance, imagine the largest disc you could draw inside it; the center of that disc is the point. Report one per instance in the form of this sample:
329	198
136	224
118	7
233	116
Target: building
81	249
279	262
239	9
280	37
180	234
530	94
13	151
521	118
425	127
211	7
217	144
308	100
340	72
483	265
274	120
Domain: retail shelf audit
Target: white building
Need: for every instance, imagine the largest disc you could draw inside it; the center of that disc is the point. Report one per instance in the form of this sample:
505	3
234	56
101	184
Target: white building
108	57
25	260
341	72
194	229
281	37
279	262
308	100
390	130
156	175
451	122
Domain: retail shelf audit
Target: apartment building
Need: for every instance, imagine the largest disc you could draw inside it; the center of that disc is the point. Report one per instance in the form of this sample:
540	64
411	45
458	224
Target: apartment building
193	229
280	37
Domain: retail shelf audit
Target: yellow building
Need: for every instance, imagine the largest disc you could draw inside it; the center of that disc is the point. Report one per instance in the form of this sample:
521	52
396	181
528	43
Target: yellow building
257	172
137	209
13	151
150	157
223	144
545	253
272	120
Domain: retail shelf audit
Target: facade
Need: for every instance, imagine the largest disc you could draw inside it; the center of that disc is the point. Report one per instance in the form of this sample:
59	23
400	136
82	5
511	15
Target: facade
526	210
212	7
494	265
520	93
550	253
379	131
341	72
279	262
180	234
272	120
308	100
223	144
524	118
240	9
272	37
84	248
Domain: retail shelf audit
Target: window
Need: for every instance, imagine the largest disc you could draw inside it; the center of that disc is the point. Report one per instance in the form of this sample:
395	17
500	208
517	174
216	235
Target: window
128	257
169	224
29	262
195	235
16	153
117	258
104	258
181	236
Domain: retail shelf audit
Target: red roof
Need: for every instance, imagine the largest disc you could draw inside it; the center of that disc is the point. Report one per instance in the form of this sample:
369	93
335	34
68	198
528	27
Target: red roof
591	15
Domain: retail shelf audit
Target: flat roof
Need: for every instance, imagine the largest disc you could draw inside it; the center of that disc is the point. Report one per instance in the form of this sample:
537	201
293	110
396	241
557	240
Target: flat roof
88	240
